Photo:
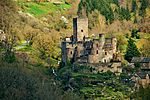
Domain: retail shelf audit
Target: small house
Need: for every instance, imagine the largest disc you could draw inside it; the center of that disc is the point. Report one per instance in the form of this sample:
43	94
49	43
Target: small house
144	62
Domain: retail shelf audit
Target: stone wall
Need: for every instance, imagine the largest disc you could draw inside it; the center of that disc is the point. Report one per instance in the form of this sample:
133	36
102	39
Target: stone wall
64	52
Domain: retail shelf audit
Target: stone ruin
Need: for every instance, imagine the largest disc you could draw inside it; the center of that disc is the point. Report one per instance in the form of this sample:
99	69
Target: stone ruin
82	49
97	52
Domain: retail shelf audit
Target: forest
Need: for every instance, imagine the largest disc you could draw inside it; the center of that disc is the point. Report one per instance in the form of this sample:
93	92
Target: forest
31	32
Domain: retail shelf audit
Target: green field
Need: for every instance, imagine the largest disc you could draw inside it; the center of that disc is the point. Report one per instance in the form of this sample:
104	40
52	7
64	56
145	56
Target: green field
44	8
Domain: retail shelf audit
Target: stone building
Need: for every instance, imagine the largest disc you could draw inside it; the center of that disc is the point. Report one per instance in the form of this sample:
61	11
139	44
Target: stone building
80	48
141	79
144	62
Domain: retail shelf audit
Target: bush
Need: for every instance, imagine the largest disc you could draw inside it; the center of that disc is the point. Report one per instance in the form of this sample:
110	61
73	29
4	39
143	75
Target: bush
9	57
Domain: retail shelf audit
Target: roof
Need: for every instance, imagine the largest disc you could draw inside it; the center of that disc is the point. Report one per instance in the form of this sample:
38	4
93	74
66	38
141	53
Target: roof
140	60
142	75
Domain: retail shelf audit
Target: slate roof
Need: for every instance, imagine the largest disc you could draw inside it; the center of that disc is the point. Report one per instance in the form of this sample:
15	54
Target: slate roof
140	60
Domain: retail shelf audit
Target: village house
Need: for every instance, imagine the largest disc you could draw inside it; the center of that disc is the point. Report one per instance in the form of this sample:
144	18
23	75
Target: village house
141	78
144	62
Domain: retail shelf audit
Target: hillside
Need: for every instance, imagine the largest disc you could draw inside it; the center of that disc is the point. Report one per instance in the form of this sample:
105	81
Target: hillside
31	35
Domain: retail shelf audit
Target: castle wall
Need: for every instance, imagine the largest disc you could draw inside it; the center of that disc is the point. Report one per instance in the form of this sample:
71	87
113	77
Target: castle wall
70	50
101	40
64	52
80	49
108	56
93	59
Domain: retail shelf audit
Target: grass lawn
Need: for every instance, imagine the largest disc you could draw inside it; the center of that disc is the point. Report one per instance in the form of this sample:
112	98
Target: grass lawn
41	9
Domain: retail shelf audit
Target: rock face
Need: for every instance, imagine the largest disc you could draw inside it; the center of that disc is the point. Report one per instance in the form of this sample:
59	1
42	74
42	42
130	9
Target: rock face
80	48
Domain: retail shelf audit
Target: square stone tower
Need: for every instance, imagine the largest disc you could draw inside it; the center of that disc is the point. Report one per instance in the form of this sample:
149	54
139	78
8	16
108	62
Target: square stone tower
80	28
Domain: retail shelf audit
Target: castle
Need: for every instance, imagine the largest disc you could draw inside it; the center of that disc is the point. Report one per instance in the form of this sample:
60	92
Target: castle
82	49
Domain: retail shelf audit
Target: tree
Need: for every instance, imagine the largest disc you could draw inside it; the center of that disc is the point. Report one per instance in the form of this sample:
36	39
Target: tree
8	26
144	5
47	44
97	20
101	5
30	34
145	50
134	34
134	6
132	50
122	42
20	83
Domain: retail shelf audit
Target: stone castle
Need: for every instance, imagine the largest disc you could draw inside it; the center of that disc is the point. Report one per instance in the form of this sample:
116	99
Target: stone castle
82	49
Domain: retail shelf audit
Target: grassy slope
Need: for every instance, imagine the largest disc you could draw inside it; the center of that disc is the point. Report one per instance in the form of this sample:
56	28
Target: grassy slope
43	8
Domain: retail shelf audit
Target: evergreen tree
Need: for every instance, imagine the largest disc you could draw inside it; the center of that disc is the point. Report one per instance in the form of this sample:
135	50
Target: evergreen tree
124	13
144	5
132	50
134	34
101	5
134	6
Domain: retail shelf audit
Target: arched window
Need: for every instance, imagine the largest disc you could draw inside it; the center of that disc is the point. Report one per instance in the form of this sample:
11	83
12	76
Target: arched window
81	30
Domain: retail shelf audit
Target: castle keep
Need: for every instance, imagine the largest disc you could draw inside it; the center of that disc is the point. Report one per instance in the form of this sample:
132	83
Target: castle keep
80	48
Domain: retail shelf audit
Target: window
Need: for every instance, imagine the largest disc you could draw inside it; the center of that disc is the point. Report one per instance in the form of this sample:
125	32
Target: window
97	52
105	60
105	53
70	52
81	30
97	45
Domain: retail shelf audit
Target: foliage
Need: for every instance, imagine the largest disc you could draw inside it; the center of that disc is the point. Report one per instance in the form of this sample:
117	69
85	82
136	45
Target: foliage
97	20
46	45
134	34
145	49
101	5
93	85
142	93
144	5
122	43
8	20
124	14
132	50
30	83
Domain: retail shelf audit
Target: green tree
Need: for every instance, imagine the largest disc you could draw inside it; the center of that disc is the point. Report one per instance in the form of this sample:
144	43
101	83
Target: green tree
134	6
134	34
124	13
101	5
144	5
132	50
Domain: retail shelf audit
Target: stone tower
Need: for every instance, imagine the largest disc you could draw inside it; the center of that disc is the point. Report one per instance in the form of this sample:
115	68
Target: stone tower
80	29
